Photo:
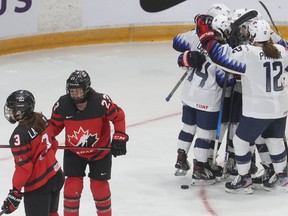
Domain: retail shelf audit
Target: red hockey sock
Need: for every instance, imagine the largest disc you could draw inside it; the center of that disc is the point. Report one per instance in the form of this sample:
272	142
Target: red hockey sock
102	196
72	193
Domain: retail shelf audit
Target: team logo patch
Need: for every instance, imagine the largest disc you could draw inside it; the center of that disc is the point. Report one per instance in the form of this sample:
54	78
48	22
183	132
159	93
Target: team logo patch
82	138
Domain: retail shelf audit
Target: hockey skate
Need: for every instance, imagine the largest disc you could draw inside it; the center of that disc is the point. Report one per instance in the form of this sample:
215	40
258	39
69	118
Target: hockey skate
202	174
216	169
267	174
279	182
231	168
182	165
240	185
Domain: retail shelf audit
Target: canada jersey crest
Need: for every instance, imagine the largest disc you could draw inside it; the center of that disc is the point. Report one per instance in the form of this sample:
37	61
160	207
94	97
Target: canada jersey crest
82	138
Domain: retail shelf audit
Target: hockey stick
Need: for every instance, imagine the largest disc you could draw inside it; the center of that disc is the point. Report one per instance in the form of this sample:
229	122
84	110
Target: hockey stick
218	130
72	148
178	84
226	156
268	13
3	212
245	17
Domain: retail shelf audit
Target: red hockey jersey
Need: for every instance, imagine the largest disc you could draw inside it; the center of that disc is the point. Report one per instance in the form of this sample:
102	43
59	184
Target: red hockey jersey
34	157
90	127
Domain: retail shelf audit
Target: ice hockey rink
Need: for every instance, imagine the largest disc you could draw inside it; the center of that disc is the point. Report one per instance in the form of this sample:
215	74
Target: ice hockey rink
138	77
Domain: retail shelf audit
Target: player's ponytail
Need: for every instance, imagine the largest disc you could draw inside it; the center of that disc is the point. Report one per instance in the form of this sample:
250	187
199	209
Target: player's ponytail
270	50
37	120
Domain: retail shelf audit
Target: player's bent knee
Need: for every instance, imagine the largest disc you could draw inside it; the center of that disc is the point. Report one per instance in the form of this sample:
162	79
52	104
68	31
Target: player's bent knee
241	146
73	186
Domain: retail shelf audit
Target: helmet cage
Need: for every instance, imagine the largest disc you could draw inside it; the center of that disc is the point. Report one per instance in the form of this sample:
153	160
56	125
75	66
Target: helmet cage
78	79
19	105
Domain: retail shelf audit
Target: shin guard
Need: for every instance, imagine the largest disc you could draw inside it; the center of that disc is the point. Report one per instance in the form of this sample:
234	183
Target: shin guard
72	192
102	196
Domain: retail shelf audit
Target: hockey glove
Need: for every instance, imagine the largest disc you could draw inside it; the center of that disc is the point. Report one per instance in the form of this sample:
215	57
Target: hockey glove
191	59
204	30
12	201
118	145
233	39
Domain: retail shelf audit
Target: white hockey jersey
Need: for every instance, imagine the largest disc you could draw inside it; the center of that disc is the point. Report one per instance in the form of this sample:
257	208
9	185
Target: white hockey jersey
263	92
200	89
276	40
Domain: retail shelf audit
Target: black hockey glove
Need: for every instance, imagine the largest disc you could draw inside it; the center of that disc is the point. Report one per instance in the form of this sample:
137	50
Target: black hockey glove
118	145
233	39
12	201
193	59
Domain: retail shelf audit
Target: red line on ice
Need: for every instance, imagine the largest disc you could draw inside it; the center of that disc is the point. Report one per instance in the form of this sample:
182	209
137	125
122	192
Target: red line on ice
205	201
203	195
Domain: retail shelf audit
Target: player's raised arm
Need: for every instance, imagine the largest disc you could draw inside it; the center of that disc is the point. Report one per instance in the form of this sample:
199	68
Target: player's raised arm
219	54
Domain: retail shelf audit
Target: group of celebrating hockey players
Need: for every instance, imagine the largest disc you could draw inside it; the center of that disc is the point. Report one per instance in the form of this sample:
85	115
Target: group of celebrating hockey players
234	86
86	116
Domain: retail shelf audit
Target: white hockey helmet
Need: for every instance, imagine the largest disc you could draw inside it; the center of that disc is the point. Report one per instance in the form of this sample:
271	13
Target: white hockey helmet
218	8
259	31
221	24
238	13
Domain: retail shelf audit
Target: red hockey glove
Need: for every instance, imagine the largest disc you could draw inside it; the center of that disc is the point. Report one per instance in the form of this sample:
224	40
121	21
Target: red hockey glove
118	145
191	59
12	201
204	30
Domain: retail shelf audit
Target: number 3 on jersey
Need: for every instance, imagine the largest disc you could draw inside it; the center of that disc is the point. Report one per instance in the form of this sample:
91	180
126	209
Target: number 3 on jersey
45	140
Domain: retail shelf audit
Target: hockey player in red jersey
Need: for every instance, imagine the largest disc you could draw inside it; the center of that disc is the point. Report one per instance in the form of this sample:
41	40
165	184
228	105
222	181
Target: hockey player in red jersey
86	115
36	168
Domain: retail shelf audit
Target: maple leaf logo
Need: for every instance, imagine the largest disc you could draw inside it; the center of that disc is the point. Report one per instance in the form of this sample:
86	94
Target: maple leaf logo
82	138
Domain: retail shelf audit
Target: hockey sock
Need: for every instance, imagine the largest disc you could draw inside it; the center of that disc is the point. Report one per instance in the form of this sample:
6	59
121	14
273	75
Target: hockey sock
102	196
72	192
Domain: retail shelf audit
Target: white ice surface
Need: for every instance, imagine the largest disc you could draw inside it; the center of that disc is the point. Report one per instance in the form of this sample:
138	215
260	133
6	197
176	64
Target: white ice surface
138	77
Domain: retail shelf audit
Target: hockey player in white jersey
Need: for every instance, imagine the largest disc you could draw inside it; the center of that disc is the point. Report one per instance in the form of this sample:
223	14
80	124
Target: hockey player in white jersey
201	97
265	103
240	37
230	167
181	43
